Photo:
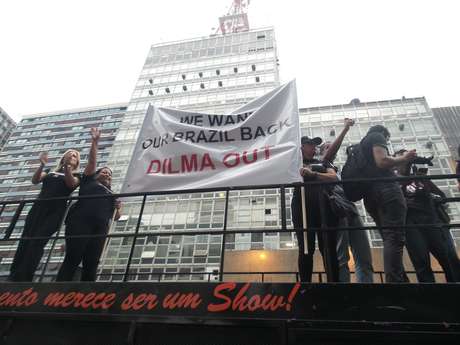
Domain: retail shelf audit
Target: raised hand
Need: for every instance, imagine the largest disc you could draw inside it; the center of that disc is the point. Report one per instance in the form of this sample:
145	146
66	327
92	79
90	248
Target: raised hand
43	158
67	168
95	134
348	122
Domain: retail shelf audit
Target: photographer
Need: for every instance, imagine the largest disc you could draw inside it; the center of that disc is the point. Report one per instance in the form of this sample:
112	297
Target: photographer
421	198
318	213
384	201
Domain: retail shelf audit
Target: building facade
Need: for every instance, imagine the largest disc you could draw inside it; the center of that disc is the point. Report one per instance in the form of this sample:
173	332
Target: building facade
215	74
7	125
448	119
53	132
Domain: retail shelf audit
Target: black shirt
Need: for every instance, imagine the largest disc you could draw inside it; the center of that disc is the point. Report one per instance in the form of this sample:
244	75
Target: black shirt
100	209
367	146
457	169
54	186
311	191
419	194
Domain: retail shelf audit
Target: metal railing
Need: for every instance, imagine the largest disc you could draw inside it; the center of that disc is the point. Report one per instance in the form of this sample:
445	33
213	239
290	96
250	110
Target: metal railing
225	231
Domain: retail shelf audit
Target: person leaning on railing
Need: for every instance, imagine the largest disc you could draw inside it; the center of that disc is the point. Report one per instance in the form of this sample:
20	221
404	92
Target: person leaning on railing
314	170
90	216
45	217
421	197
348	215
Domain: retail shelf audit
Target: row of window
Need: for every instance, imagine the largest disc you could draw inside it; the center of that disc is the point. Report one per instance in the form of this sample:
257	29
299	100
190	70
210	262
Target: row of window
211	63
205	101
242	48
217	41
208	85
84	114
82	132
379	110
204	74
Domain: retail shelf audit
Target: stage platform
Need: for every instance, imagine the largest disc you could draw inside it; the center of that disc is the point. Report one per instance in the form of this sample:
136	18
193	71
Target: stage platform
228	313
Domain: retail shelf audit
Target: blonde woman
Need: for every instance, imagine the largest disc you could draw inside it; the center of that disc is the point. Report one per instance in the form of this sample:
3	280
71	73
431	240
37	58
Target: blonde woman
45	217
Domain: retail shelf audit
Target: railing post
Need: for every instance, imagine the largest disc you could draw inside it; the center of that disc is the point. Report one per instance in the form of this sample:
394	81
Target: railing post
222	253
128	265
15	218
283	208
329	242
2	209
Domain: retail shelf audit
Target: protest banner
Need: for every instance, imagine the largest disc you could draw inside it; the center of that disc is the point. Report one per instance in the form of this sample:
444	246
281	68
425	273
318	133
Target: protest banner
257	144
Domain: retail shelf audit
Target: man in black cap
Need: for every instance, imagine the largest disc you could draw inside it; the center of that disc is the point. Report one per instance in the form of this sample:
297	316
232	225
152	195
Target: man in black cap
314	170
384	201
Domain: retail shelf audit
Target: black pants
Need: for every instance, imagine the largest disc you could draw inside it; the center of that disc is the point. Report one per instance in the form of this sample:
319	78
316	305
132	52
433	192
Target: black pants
43	220
452	253
420	242
85	250
386	204
326	240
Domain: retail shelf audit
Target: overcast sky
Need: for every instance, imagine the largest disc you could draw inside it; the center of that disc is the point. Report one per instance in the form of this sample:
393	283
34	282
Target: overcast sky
66	54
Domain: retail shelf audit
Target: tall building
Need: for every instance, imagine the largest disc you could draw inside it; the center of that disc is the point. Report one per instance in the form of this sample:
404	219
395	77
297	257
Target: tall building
54	132
215	74
448	119
7	125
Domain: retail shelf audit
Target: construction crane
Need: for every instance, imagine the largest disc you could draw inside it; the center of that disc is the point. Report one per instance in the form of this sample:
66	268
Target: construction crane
236	19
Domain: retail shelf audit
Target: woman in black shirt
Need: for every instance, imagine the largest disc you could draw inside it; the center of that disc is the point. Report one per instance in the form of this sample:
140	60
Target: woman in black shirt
89	217
45	217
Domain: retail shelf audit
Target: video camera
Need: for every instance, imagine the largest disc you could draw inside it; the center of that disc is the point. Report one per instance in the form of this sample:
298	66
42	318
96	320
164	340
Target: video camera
423	160
412	165
317	168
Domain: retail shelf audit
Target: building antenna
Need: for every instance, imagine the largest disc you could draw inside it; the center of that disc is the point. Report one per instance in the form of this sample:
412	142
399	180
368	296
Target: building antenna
236	19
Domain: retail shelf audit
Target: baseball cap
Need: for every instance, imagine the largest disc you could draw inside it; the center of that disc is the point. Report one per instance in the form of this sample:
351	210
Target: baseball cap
312	141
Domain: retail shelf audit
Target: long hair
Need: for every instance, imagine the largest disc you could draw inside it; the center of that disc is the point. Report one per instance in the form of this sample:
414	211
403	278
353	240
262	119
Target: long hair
61	161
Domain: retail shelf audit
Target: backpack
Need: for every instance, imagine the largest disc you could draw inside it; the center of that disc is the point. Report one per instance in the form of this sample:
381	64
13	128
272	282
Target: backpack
355	166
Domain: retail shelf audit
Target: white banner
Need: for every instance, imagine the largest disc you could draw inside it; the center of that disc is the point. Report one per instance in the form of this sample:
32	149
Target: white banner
257	144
